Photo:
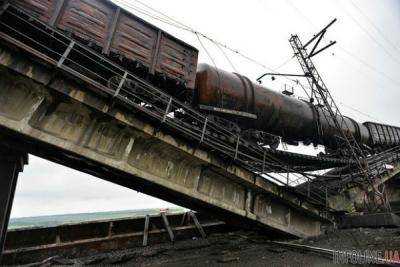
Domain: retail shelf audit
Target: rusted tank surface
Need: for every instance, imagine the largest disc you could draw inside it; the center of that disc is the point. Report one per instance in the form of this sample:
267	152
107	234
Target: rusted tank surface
349	126
103	24
275	113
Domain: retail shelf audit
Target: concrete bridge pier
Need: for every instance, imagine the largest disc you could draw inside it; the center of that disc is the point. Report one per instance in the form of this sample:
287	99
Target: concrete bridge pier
11	163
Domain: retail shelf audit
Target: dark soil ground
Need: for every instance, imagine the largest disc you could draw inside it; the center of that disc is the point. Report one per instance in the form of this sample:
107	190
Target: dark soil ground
227	249
357	239
243	248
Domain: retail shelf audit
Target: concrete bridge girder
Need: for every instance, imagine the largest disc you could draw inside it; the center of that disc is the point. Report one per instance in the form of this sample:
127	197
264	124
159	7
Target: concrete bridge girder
64	121
352	199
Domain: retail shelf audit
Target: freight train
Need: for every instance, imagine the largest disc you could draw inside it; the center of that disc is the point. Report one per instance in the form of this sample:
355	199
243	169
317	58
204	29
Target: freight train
260	114
257	107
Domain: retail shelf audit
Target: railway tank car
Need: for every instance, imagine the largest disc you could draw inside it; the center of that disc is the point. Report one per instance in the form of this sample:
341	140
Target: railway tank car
171	64
257	107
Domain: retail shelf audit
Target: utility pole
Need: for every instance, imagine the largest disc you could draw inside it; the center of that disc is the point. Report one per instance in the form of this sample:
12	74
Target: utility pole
331	112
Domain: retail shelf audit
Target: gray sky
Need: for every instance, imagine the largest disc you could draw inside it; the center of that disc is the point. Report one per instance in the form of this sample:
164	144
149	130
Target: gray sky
361	71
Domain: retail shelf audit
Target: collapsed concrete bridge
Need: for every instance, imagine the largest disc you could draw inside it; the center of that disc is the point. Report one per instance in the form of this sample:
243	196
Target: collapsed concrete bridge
59	119
52	111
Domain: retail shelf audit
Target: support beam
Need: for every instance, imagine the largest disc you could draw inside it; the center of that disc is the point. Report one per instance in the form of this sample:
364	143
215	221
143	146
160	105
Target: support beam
11	163
198	225
146	230
167	226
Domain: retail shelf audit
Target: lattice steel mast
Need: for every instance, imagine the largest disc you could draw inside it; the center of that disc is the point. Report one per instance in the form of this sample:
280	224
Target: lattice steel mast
335	119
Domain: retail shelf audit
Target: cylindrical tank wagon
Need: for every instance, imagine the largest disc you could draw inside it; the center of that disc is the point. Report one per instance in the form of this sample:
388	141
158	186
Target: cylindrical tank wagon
295	120
266	109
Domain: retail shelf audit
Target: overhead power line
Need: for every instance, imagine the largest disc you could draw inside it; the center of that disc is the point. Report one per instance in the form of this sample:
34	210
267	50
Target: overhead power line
163	14
205	49
284	63
360	112
301	13
182	26
348	52
153	16
374	25
226	57
178	24
366	64
361	61
367	32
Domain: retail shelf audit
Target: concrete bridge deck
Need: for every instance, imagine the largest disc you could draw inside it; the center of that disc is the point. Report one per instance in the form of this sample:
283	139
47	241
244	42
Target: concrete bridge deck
58	118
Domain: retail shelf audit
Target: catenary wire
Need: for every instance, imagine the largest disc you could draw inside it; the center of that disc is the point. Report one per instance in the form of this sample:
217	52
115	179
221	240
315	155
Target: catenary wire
368	33
381	33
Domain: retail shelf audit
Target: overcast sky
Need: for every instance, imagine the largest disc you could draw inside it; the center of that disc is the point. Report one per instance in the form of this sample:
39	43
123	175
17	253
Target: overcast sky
361	71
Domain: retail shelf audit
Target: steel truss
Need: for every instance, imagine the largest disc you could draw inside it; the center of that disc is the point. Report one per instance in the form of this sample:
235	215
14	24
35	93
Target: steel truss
345	139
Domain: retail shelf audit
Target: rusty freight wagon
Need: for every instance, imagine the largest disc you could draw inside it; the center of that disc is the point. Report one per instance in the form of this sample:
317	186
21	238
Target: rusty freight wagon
382	134
124	37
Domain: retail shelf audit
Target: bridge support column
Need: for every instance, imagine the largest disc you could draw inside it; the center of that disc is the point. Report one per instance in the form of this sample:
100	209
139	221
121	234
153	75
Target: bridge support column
11	163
